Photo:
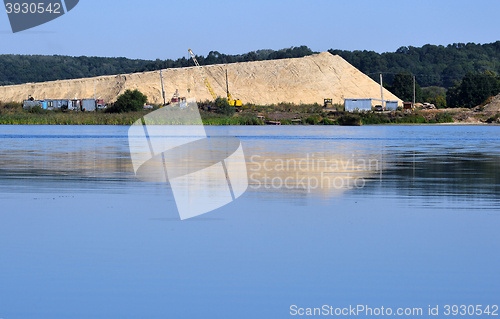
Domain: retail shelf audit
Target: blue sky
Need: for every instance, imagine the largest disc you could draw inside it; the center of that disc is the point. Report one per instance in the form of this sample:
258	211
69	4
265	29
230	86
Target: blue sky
166	29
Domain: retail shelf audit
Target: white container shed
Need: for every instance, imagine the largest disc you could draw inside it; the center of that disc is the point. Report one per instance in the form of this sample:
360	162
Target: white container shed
391	105
358	105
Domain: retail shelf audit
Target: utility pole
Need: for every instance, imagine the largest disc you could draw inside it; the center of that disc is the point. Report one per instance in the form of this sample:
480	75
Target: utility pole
413	105
162	91
381	90
67	89
94	90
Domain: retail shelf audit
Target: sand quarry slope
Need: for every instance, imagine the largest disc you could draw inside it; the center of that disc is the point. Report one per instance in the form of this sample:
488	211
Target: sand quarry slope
494	105
301	80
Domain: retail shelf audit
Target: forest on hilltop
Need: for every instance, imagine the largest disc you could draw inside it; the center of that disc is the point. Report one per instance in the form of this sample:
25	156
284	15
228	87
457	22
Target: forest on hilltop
432	65
19	69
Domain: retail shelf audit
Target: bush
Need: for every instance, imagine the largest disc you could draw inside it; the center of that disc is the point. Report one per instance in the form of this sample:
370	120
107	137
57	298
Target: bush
374	118
12	105
349	119
413	118
10	108
37	110
493	119
339	107
130	101
223	107
313	120
444	118
327	121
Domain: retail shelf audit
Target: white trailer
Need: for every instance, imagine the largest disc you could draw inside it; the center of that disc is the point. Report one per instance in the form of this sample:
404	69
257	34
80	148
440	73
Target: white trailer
88	105
358	105
29	104
391	105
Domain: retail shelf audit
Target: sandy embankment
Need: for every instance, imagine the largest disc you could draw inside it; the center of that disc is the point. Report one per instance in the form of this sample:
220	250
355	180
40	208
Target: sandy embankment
302	80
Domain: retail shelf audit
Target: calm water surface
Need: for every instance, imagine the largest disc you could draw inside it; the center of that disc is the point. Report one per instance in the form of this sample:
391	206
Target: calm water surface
407	216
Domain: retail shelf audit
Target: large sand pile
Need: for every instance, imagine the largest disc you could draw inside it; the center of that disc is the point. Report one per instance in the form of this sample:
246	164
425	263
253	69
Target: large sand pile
302	80
494	105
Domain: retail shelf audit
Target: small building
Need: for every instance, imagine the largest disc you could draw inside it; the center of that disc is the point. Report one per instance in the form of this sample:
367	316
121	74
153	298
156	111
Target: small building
74	105
391	105
59	104
56	104
358	105
88	105
29	104
407	105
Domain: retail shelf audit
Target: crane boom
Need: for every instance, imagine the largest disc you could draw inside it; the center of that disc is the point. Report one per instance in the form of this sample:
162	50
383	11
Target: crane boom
204	78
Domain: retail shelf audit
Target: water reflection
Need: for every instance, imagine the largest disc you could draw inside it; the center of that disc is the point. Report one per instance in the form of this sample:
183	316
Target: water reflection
311	173
51	159
98	238
315	163
469	174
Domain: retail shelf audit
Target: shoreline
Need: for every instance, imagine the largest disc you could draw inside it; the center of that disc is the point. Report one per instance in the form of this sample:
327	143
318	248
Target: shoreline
271	115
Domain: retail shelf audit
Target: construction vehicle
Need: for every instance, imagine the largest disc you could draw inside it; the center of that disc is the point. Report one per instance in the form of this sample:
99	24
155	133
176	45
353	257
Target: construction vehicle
209	87
176	97
229	97
327	103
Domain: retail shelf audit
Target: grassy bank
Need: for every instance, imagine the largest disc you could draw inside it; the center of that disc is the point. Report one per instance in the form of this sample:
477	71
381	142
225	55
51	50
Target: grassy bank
285	113
400	117
216	119
209	118
71	119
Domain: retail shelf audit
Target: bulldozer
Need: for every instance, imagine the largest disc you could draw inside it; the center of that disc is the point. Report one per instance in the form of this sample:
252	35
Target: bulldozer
328	103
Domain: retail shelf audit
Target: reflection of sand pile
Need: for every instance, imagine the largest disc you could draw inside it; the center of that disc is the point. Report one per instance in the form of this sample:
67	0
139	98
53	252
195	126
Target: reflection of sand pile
302	80
78	165
293	173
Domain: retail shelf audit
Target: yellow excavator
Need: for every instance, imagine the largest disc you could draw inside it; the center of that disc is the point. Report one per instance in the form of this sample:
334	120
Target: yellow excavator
232	102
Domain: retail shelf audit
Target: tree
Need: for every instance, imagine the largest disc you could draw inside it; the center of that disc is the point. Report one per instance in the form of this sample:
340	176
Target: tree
473	90
128	102
435	95
402	87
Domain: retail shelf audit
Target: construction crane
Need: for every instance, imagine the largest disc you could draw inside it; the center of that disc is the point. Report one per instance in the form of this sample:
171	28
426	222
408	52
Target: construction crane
204	78
209	87
229	97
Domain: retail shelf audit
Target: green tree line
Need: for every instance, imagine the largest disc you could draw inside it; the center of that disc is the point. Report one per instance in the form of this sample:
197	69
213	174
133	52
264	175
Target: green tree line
472	90
215	57
19	69
433	65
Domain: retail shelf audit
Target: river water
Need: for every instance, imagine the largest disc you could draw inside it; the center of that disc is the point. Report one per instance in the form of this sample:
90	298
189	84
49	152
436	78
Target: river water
399	217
